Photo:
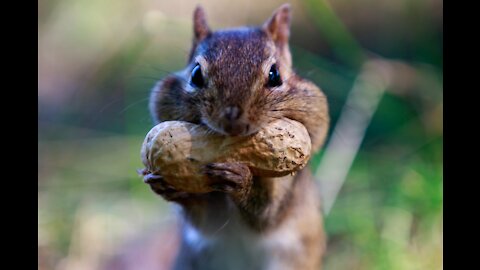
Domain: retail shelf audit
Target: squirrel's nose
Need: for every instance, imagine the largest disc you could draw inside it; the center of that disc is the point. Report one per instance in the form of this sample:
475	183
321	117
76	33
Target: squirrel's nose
232	113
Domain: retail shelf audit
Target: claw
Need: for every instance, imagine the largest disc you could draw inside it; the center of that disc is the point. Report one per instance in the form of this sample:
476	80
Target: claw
152	178
142	172
210	166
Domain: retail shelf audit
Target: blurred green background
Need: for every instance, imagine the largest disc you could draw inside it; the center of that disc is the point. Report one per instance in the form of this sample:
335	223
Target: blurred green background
98	60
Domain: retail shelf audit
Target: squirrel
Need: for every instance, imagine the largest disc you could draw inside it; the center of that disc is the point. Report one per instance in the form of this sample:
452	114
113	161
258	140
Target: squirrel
236	81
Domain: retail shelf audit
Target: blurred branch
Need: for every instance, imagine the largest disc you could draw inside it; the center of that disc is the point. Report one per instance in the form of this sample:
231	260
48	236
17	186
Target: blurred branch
376	77
361	104
342	42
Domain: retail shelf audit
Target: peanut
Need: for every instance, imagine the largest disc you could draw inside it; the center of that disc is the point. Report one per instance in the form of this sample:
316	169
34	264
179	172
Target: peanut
178	151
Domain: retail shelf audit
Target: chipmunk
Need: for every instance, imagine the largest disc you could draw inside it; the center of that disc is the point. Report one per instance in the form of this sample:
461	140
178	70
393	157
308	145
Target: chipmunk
236	81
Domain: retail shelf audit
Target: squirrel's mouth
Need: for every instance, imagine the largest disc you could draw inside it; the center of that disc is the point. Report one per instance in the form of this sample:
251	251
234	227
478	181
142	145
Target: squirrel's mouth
230	128
210	125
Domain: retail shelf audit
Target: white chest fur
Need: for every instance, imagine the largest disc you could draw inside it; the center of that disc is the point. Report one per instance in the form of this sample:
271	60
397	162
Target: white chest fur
234	246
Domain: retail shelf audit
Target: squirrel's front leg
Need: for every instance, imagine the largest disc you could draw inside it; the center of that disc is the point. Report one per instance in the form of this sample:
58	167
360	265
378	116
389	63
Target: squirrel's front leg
160	187
233	178
259	200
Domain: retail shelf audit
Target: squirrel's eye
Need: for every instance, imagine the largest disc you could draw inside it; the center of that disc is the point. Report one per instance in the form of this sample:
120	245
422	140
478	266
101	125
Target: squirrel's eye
197	77
274	77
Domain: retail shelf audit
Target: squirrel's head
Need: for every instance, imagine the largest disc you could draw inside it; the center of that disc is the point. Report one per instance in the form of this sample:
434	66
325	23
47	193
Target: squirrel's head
235	77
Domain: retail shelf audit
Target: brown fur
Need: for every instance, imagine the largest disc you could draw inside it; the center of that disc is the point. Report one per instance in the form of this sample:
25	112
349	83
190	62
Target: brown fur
235	64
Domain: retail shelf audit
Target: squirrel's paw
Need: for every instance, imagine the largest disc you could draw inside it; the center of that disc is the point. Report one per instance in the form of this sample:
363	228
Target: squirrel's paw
233	178
160	187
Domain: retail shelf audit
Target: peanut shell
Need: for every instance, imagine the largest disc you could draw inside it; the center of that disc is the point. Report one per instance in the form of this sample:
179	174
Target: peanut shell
178	151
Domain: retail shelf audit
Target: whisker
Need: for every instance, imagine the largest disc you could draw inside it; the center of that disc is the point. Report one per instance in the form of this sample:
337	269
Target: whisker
133	104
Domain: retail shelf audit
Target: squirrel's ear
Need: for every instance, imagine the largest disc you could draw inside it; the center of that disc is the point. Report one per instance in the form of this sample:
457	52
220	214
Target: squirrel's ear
200	26
278	25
